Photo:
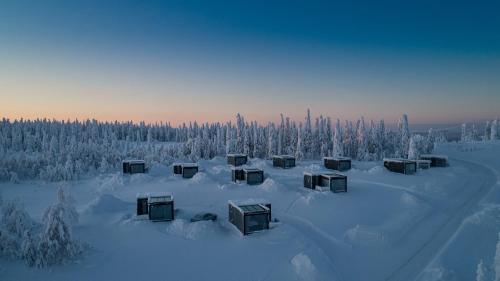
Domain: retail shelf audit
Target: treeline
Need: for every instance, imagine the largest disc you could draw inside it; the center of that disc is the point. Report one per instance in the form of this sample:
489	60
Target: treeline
66	150
471	133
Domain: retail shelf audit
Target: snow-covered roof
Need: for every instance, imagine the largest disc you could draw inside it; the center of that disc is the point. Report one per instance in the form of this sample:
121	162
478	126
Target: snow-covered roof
312	173
186	164
237	155
284	156
423	161
333	175
249	208
142	195
400	160
434	156
337	158
160	197
134	161
249	201
251	170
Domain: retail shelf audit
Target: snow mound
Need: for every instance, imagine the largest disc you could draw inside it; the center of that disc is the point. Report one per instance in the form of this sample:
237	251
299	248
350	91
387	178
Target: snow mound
259	163
199	177
138	178
269	185
111	182
377	170
216	170
313	167
307	199
359	234
303	267
409	199
190	230
106	203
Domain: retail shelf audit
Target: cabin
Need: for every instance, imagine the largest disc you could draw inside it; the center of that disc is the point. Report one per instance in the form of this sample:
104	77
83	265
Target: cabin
142	204
333	182
325	182
402	166
337	163
311	180
187	170
237	159
249	217
436	160
250	175
134	166
161	207
423	164
284	161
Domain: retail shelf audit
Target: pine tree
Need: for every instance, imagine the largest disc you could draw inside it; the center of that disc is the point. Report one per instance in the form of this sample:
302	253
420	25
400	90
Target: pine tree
494	129
56	244
463	135
405	136
362	140
338	149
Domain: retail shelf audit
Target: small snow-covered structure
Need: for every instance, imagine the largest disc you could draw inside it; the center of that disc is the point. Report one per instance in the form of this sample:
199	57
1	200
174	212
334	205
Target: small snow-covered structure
237	159
284	161
436	160
337	163
134	166
188	170
250	175
423	164
249	217
402	166
325	181
311	180
161	207
142	204
333	182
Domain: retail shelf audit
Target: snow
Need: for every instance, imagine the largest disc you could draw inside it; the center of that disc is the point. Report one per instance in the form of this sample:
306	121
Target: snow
438	224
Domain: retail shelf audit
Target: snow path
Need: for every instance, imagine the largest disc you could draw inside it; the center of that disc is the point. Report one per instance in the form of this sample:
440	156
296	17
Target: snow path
412	267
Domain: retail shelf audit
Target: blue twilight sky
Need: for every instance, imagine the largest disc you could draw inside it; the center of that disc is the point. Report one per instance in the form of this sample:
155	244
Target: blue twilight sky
206	60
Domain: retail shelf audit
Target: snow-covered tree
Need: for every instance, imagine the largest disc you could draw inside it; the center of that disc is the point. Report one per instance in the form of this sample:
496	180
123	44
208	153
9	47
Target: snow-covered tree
56	243
463	135
417	146
487	131
494	129
14	218
404	132
338	147
362	140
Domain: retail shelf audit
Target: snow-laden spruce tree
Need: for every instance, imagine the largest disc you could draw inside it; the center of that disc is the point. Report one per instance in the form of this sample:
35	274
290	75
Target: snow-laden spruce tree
15	220
299	153
56	244
487	131
463	135
362	138
404	132
338	148
494	129
418	146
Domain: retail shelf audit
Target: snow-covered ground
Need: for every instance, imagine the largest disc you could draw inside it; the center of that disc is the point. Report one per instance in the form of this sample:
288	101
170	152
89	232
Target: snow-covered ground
438	224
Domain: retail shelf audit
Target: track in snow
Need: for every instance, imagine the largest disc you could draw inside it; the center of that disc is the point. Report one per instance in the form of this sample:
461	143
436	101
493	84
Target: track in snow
414	264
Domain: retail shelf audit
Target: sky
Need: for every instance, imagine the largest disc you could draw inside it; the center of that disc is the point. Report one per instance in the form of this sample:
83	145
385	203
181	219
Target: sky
180	61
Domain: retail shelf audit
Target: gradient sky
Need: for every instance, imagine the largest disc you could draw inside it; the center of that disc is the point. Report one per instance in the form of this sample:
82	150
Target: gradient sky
207	60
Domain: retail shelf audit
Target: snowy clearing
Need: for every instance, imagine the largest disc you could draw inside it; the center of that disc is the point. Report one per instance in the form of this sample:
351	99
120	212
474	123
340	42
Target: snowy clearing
437	224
